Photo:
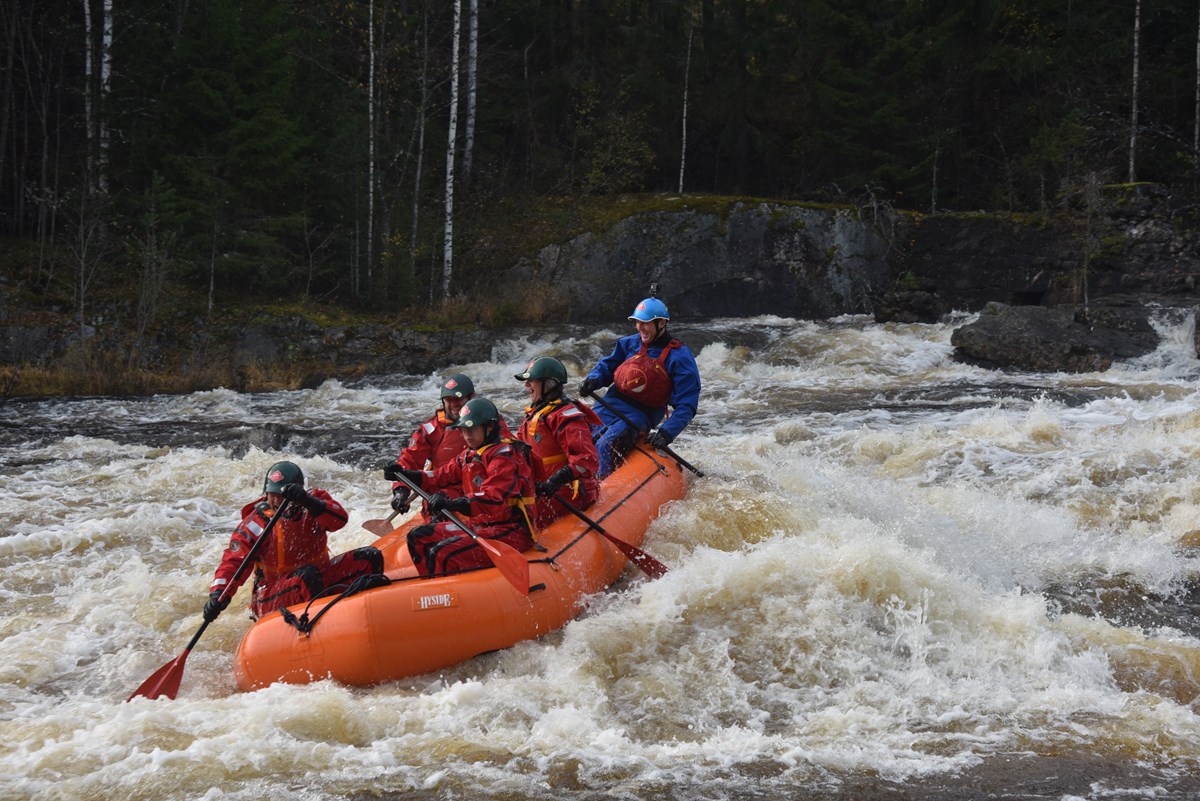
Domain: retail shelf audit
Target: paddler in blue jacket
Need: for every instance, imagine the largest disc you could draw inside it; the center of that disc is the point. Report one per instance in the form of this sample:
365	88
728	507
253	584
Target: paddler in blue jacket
649	371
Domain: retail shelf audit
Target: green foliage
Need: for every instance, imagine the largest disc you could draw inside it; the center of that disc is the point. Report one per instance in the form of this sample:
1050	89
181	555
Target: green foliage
614	153
247	126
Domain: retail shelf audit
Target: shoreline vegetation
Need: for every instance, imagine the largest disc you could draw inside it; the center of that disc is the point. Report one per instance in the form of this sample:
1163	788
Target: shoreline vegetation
164	336
556	263
212	355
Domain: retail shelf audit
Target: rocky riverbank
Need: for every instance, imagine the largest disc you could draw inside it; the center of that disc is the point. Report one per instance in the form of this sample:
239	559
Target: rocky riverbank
1070	291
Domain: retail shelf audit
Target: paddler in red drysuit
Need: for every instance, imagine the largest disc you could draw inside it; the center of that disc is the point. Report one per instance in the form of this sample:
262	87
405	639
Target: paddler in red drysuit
435	442
495	496
293	565
559	433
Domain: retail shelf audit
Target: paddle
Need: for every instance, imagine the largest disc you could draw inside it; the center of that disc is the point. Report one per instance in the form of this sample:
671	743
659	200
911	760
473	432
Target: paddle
165	680
682	462
507	559
381	527
651	566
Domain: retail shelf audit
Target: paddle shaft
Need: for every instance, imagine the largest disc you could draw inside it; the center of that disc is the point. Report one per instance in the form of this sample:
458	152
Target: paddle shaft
651	566
664	448
165	680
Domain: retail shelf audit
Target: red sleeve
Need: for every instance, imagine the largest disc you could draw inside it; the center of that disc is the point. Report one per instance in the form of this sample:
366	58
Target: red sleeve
420	446
334	517
503	481
240	543
448	475
575	438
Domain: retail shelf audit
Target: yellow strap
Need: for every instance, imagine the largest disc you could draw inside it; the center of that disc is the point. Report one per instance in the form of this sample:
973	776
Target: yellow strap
533	421
523	503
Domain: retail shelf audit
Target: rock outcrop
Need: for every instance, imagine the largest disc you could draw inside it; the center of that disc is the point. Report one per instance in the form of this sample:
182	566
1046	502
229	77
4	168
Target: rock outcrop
751	258
1075	290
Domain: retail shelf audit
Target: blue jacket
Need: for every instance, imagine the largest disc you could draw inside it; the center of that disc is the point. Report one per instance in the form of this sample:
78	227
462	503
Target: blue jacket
681	366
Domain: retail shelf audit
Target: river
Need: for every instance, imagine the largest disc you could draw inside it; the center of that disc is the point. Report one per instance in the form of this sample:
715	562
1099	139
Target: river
900	578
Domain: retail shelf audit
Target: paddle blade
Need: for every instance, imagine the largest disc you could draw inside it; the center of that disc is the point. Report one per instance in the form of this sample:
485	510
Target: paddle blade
647	563
509	561
165	680
379	528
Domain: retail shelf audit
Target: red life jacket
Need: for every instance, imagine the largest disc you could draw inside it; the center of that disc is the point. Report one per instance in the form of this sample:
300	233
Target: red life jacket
644	379
297	541
448	445
497	478
433	442
547	451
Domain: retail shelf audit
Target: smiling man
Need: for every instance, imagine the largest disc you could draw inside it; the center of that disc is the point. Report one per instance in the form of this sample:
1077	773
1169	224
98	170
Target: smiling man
655	382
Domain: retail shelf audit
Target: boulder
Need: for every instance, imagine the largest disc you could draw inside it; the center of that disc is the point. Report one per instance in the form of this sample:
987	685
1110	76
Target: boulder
1064	339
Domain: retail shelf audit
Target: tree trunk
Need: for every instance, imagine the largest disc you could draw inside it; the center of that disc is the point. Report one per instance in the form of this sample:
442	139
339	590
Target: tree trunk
421	111
88	115
472	64
448	240
687	69
105	87
8	102
1133	114
1196	124
370	141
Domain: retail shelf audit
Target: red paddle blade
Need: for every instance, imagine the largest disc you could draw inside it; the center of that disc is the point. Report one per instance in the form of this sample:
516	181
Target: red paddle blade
165	680
648	564
509	561
379	528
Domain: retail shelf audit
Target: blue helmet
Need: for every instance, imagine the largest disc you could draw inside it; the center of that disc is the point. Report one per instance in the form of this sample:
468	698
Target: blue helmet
650	309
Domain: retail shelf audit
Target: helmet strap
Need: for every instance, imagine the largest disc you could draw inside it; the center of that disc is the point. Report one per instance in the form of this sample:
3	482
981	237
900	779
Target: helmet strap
660	332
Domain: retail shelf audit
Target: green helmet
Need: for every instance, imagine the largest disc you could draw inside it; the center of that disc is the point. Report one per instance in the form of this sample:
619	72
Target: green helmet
544	367
457	386
281	474
477	412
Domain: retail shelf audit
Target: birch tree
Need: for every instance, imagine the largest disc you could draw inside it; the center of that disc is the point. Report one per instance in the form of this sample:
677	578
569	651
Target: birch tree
1133	114
448	240
472	61
106	41
421	111
89	125
370	140
687	69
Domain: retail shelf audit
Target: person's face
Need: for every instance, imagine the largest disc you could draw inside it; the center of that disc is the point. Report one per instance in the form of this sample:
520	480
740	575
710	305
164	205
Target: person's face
535	387
647	331
275	499
453	407
474	436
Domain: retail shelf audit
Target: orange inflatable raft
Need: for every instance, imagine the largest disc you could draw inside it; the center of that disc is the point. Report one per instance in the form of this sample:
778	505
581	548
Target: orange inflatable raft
413	625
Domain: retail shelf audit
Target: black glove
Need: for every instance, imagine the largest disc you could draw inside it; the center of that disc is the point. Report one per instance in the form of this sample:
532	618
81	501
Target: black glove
441	501
294	493
658	439
589	385
564	475
393	471
400	497
214	606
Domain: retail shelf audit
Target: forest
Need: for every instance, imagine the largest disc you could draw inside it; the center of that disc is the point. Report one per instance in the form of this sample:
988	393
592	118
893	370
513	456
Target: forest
384	153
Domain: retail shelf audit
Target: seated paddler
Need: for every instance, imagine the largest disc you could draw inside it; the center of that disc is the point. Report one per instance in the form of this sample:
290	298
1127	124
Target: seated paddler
496	496
293	564
653	381
558	431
